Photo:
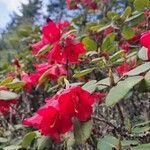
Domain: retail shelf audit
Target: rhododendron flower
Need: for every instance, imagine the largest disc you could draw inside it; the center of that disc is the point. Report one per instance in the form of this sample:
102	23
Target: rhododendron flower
5	105
147	13
16	63
51	71
145	41
68	53
49	121
124	46
123	68
72	102
135	39
28	82
36	47
55	117
108	31
65	48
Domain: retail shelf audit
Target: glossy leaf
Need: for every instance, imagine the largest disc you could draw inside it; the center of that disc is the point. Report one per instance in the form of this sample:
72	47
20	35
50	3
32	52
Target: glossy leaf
89	44
138	70
118	92
142	147
43	142
28	138
141	4
7	95
90	86
107	143
82	131
128	33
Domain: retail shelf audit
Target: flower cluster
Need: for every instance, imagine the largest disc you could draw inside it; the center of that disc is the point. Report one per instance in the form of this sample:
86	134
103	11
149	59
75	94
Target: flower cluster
55	118
65	47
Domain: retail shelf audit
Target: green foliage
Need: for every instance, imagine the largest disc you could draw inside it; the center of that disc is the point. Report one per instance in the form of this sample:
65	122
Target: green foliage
7	95
128	33
121	90
82	131
141	5
28	139
90	44
140	69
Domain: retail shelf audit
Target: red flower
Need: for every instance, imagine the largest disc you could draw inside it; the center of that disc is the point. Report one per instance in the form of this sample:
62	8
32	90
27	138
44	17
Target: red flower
28	82
73	101
63	25
49	121
68	52
147	13
52	72
145	39
56	116
124	46
65	48
123	68
108	30
51	32
39	45
5	105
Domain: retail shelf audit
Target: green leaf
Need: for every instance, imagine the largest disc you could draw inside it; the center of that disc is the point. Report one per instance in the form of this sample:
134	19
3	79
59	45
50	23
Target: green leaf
142	124
90	86
6	81
108	41
100	62
12	147
3	140
15	84
110	142
138	70
141	4
126	13
28	139
142	147
128	33
83	73
107	143
43	142
112	15
8	95
145	85
117	56
138	130
104	83
142	54
89	44
82	131
119	91
135	16
129	142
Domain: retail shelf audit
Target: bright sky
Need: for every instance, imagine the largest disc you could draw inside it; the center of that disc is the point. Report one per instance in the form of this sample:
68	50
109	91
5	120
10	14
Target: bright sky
7	7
